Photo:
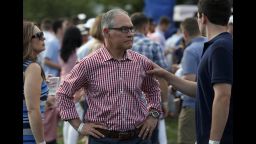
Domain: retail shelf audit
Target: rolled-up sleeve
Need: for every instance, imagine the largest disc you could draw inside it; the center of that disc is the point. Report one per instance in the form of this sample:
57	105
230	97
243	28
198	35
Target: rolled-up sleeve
75	80
150	86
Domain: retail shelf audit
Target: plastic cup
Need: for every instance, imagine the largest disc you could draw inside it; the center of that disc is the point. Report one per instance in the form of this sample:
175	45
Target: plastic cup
53	85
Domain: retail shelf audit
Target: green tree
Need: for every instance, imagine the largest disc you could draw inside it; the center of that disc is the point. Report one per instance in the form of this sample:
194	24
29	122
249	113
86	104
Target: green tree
37	10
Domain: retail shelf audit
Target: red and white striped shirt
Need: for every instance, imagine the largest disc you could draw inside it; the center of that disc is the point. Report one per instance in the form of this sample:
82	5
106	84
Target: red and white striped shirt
114	89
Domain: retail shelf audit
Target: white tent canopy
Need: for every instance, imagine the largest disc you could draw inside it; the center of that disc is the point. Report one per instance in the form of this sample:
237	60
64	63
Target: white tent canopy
181	12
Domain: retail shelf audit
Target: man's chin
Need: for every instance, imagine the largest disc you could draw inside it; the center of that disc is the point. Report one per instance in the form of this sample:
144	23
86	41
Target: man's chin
129	47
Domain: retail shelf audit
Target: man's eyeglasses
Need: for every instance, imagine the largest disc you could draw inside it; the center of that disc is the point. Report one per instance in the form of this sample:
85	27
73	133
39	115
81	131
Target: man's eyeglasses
39	35
124	29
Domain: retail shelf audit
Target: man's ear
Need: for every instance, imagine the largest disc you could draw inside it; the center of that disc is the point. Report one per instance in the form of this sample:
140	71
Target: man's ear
105	30
204	19
185	34
146	28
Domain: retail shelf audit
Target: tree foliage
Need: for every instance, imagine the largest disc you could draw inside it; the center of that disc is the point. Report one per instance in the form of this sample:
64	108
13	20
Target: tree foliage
37	10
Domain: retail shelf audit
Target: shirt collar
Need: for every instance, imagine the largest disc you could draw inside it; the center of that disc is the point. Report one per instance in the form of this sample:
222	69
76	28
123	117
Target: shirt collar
107	56
223	34
200	38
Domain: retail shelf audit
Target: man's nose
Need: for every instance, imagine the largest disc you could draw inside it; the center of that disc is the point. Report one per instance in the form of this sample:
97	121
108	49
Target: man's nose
131	33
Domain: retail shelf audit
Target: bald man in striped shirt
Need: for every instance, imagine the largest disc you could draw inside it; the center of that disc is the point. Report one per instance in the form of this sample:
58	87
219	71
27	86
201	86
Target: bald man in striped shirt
115	79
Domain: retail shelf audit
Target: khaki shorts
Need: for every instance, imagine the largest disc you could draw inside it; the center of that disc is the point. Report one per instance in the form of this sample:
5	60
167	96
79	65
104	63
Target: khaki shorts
186	126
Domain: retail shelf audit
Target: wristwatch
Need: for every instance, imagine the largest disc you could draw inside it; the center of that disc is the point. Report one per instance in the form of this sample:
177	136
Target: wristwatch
42	142
154	114
213	142
80	128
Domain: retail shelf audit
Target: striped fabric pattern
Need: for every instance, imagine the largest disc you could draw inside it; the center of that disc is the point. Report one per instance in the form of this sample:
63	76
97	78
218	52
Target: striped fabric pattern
28	137
114	90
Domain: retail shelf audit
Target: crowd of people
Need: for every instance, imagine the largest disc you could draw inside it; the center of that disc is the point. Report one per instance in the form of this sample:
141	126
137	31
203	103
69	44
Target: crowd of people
120	78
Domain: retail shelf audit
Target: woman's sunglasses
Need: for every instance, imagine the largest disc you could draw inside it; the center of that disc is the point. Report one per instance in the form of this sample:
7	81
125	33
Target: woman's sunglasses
39	35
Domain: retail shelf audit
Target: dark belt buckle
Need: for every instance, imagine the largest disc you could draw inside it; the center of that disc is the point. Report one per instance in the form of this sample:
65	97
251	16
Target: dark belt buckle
123	136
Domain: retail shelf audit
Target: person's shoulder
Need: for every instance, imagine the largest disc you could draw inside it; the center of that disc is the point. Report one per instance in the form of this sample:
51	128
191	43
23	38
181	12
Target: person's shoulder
223	44
52	39
29	63
53	44
33	68
195	46
154	36
150	42
82	49
225	40
93	56
135	55
90	42
139	57
48	35
142	60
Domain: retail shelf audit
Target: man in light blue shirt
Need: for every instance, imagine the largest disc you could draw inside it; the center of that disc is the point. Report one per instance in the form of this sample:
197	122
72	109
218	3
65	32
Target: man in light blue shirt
51	55
190	60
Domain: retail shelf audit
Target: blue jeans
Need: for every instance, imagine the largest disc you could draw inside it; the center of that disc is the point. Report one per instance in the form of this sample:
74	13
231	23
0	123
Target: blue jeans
106	140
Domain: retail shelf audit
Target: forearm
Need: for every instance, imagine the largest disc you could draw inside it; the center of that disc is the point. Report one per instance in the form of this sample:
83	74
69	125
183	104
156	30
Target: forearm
184	86
75	123
51	64
36	125
220	111
164	89
78	95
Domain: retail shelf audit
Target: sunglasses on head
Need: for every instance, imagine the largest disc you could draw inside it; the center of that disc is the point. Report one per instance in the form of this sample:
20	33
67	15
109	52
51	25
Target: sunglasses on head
39	35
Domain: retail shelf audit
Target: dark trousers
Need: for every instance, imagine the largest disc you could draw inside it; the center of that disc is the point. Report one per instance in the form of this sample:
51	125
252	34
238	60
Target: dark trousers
107	140
154	137
52	142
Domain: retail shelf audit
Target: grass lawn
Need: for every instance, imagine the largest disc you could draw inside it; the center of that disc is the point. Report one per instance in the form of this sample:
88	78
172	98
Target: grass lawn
171	128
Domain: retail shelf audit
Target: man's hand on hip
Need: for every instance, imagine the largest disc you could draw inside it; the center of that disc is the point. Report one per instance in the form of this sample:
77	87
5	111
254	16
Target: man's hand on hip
89	129
148	127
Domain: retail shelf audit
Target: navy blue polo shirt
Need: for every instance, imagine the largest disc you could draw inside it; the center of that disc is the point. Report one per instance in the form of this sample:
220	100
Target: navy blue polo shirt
216	66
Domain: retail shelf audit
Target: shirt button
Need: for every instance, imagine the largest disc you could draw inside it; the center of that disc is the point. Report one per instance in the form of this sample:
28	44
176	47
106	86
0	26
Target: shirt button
120	78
